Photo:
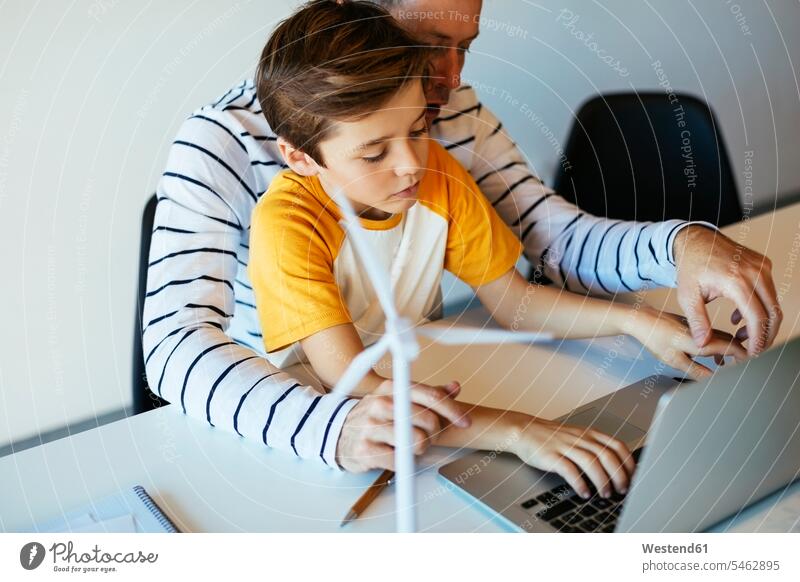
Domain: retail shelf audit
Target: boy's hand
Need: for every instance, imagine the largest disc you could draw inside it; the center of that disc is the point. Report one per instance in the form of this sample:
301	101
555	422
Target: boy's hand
576	453
669	338
367	438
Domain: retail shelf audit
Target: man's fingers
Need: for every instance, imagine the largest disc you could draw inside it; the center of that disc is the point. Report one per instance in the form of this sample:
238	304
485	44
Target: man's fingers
765	289
385	388
426	420
694	308
421	417
441	403
756	300
755	316
383	434
381	408
380	456
420	440
368	456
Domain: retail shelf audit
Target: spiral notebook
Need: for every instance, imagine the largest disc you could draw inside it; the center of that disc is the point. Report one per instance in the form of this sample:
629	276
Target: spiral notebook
127	511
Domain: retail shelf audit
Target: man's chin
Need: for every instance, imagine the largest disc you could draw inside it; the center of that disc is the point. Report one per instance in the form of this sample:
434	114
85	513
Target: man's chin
431	113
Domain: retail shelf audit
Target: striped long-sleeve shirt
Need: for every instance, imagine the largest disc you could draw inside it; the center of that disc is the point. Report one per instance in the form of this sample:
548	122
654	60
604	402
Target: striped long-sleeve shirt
202	338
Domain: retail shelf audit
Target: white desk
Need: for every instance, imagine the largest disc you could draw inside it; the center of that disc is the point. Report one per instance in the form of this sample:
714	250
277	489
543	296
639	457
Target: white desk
211	481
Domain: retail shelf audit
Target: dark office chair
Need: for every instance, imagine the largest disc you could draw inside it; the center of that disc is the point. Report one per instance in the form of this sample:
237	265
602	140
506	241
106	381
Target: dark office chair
629	157
143	398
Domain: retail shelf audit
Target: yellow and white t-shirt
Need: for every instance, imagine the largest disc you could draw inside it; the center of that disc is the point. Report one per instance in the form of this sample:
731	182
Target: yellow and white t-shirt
306	275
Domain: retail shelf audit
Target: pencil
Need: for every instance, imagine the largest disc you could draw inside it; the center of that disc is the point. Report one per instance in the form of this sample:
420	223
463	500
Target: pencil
368	497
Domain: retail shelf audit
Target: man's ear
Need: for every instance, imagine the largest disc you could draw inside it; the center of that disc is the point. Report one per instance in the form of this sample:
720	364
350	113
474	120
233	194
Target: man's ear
300	162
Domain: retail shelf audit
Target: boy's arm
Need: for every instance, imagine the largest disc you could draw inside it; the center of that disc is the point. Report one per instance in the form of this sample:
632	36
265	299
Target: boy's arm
546	445
482	252
575	453
549	309
568	315
330	352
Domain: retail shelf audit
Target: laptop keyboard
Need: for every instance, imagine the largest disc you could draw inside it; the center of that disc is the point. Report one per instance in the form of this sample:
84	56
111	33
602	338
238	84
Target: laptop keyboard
568	512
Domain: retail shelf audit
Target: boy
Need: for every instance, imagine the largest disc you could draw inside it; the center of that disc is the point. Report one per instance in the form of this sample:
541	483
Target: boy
356	122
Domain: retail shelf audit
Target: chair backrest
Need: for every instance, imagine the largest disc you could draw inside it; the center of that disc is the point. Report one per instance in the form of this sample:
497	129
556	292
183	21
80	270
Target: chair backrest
646	156
143	398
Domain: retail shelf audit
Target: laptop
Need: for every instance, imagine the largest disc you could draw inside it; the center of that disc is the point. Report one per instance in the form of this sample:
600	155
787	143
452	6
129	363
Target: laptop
705	450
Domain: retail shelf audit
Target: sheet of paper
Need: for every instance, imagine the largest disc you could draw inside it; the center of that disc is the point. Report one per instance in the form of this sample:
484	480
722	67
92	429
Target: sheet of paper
121	524
65	524
82	520
125	511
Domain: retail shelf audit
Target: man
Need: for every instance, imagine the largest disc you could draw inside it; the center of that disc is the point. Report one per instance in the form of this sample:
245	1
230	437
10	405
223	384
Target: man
200	324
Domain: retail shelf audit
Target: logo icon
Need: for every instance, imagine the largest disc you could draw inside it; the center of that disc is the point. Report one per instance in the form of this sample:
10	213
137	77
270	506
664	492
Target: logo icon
31	555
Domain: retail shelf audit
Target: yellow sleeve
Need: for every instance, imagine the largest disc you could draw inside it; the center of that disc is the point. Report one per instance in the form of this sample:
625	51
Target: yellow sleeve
293	243
480	246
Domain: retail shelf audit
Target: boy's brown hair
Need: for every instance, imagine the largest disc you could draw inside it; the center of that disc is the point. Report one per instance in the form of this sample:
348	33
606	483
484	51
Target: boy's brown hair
333	61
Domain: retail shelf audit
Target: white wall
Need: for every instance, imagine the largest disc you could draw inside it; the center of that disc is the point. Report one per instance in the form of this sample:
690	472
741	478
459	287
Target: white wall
743	58
91	93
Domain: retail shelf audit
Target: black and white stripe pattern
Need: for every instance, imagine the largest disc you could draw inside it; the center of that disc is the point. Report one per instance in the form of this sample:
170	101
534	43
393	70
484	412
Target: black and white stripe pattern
202	333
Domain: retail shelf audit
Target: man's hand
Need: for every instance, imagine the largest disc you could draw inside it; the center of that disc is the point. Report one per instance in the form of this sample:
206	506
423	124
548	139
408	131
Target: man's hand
367	438
710	265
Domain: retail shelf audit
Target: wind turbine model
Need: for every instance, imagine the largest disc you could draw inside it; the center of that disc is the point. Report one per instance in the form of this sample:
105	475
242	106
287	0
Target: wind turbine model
400	339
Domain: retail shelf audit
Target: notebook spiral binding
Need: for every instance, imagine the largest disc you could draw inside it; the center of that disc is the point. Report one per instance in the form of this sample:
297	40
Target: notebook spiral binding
165	521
